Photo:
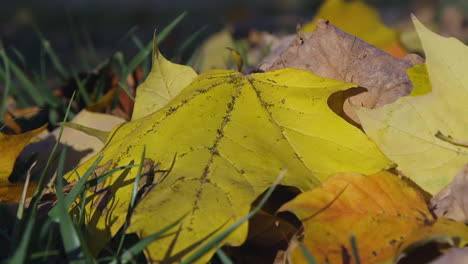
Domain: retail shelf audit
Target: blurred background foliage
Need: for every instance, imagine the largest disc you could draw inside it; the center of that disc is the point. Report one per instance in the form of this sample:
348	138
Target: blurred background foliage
89	30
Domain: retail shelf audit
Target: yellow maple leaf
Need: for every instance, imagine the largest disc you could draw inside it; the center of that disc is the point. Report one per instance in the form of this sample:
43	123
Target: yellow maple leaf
406	130
163	83
231	135
359	19
12	145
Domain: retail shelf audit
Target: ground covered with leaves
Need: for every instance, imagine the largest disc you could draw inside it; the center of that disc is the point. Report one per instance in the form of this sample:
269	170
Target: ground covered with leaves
345	142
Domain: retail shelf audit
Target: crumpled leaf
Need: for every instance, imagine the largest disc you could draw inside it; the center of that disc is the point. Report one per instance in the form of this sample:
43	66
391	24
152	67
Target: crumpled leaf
163	83
229	136
406	129
360	20
379	209
11	146
331	53
452	201
212	53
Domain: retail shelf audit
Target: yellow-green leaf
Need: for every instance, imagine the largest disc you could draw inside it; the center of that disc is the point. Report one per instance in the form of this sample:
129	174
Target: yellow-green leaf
231	135
359	19
405	130
163	83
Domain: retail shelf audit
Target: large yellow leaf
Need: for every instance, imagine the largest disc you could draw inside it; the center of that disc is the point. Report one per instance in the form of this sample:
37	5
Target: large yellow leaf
358	19
231	135
163	83
405	130
11	146
382	212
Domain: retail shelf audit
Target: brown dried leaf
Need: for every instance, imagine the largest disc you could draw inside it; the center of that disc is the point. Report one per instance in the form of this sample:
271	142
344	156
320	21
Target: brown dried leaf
332	53
452	201
453	256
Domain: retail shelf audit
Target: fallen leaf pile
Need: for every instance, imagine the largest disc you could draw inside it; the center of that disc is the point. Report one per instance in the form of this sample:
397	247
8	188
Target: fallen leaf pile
226	136
372	142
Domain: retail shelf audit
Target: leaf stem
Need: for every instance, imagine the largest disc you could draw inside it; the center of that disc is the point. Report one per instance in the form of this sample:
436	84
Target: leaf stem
451	140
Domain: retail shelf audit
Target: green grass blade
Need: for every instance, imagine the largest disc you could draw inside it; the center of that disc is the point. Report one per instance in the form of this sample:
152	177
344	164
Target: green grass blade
101	178
77	190
81	221
21	253
147	62
214	242
310	259
81	89
20	211
44	254
124	87
189	41
168	29
137	41
123	39
144	53
136	249
355	249
131	205
20	56
56	62
7	85
71	240
49	98
223	257
34	94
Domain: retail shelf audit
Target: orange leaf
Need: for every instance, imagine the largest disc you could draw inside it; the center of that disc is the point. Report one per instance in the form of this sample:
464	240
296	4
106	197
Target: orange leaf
380	210
11	146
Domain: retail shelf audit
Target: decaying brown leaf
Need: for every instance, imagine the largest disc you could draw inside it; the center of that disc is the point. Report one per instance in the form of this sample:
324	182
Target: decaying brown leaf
452	201
453	256
332	53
